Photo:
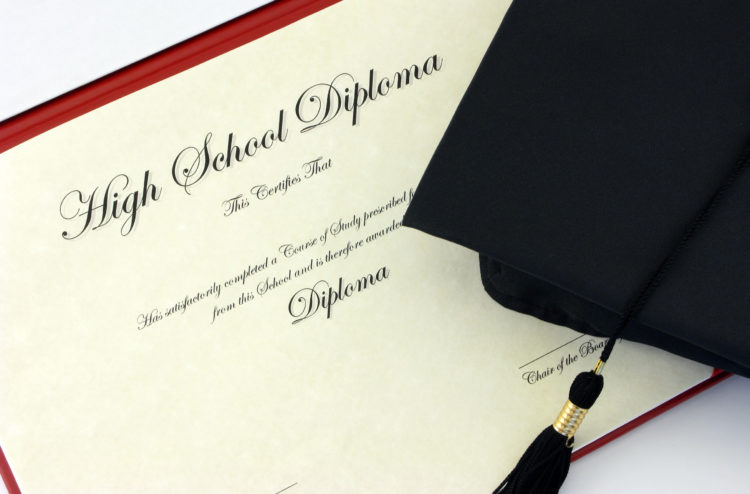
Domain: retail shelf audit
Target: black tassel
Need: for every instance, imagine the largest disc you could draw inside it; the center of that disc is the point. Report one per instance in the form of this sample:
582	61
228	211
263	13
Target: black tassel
543	467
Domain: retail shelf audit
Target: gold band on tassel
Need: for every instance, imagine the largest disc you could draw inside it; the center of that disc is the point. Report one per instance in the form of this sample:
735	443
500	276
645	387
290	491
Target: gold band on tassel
571	416
569	419
599	366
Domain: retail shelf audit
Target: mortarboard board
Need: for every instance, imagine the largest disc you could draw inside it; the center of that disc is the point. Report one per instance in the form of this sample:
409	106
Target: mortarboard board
597	164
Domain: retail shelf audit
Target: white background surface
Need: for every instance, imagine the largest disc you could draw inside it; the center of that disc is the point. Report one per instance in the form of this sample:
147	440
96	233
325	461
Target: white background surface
48	48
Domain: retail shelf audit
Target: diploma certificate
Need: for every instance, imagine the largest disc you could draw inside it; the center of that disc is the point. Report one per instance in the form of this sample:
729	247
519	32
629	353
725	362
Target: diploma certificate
206	286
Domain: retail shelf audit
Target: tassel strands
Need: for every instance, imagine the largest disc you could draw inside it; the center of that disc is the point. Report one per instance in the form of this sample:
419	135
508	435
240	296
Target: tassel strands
543	467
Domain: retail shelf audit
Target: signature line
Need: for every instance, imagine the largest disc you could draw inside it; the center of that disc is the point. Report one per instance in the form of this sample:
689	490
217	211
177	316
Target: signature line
287	487
554	350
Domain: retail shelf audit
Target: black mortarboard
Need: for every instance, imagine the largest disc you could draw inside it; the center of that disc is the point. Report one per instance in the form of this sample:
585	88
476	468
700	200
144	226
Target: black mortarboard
597	164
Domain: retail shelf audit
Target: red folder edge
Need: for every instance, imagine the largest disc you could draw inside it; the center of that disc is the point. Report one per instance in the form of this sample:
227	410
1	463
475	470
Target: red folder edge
716	377
152	69
183	56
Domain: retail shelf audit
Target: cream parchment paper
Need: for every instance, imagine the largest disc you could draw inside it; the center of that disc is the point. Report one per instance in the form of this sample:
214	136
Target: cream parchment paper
261	321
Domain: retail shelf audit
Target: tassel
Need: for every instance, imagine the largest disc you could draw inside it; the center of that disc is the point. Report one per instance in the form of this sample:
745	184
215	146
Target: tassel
543	467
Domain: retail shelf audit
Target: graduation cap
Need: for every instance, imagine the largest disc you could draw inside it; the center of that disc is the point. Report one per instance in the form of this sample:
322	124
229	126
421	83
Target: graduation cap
597	163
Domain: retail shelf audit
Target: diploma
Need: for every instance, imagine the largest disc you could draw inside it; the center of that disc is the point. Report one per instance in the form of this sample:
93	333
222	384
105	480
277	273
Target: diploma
206	285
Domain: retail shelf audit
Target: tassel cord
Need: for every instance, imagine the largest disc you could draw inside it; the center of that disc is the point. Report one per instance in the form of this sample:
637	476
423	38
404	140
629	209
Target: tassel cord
644	294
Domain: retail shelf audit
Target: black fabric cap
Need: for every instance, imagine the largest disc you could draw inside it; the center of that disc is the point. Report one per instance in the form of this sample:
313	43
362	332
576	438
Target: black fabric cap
590	136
